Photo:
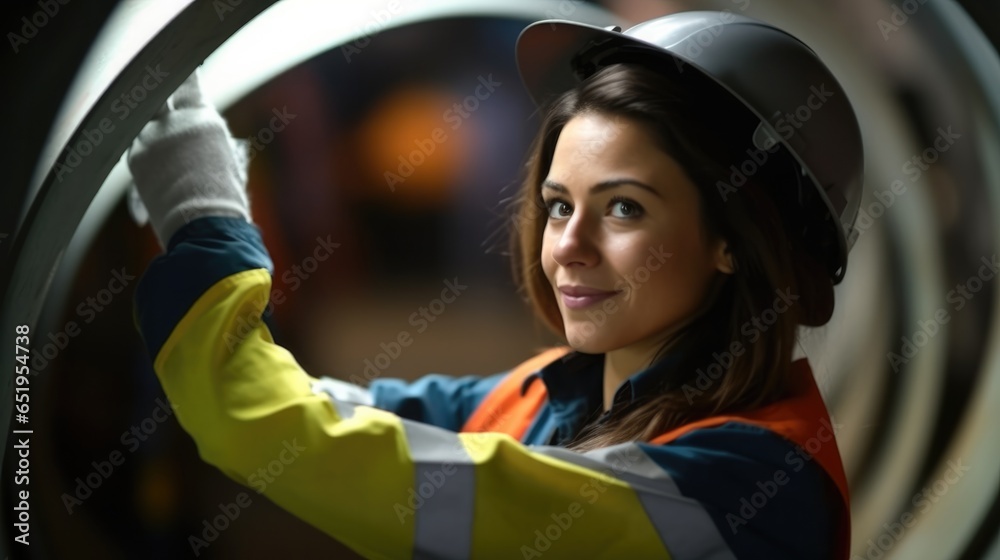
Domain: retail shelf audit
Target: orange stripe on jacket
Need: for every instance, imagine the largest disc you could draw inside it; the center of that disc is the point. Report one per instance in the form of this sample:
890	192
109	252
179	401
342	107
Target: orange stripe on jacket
504	410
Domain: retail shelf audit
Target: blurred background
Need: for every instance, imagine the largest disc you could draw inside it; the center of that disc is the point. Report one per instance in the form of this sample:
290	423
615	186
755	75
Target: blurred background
402	144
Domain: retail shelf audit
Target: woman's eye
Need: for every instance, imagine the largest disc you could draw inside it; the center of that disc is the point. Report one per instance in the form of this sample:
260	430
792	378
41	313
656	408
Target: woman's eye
558	209
625	208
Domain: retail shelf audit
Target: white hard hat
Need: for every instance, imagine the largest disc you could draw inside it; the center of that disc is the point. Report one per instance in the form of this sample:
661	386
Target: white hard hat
771	73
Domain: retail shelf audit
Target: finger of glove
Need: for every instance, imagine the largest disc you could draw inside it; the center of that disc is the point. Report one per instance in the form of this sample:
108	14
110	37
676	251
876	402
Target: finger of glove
136	208
179	122
241	154
188	95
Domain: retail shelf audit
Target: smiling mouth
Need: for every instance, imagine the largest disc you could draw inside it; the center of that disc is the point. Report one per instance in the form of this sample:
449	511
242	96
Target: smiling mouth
584	300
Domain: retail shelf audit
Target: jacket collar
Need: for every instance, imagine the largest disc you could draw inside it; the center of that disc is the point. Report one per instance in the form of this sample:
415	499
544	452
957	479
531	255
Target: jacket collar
576	381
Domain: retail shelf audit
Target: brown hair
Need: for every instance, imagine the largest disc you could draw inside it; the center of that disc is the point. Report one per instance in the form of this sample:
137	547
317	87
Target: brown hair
697	131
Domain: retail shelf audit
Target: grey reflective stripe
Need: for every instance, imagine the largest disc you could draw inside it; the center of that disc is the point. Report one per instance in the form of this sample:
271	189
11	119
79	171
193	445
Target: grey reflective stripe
344	396
685	528
444	478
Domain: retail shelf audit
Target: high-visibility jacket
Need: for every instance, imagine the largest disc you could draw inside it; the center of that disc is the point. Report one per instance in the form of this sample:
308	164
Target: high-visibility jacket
389	473
802	418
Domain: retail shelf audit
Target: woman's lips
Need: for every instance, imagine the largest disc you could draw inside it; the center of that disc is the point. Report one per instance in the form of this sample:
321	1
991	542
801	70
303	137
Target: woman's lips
575	297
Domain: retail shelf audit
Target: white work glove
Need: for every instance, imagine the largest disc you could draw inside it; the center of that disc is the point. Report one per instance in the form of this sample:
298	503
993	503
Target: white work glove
186	165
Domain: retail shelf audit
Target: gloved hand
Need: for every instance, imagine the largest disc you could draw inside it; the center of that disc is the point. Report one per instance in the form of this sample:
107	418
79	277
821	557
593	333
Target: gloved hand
186	165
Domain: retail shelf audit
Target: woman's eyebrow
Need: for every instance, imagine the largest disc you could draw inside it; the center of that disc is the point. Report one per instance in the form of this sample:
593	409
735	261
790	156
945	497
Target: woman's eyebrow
602	186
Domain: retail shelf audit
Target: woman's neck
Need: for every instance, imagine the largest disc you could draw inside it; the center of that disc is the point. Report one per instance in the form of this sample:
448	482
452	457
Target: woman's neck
623	363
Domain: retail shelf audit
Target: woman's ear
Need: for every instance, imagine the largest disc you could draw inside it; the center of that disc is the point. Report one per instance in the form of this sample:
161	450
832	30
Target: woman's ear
724	258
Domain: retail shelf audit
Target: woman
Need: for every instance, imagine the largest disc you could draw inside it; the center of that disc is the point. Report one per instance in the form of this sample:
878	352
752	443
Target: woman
673	424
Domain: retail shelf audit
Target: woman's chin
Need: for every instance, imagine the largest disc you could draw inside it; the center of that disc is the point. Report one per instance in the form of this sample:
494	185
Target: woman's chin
588	342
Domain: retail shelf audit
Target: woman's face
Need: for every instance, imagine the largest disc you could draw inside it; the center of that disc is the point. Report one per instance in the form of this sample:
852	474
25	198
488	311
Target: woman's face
623	246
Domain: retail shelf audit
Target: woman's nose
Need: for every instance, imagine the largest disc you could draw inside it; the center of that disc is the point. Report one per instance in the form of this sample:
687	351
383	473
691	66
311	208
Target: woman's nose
577	244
